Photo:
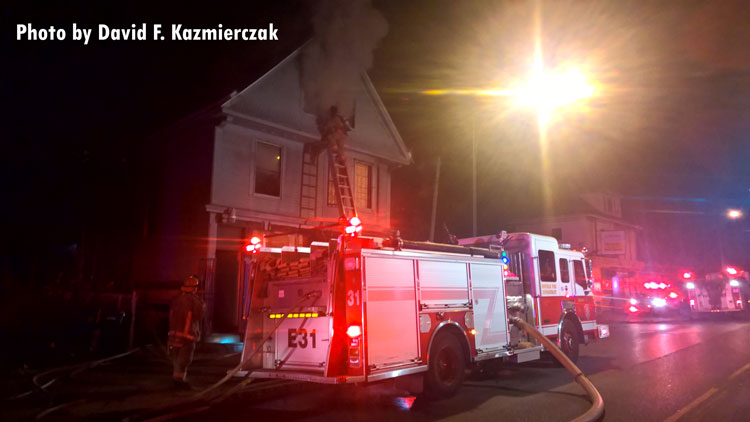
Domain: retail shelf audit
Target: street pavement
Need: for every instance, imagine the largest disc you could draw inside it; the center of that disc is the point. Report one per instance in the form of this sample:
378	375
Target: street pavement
649	370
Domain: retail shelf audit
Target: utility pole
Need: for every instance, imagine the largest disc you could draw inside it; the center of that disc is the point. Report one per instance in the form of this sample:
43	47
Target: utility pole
434	200
474	174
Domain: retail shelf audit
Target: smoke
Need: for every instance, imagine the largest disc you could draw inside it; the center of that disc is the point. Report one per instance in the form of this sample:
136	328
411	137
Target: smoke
346	33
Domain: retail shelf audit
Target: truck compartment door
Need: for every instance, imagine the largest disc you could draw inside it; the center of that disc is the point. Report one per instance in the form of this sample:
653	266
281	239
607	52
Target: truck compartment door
391	323
490	319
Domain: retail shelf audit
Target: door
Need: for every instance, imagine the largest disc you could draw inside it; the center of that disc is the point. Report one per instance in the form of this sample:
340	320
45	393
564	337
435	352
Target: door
566	288
490	312
225	293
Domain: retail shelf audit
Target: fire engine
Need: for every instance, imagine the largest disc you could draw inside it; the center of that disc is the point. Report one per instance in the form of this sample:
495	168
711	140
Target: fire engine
552	283
362	309
720	292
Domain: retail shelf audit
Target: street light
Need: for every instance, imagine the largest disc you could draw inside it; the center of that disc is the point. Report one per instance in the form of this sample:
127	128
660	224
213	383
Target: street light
545	90
734	214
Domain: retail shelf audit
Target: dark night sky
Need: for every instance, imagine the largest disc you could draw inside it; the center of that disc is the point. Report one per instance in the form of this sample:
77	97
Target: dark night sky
670	119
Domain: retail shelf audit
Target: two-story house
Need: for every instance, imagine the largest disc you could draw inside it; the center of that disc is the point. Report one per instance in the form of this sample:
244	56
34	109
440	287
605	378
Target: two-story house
240	168
595	222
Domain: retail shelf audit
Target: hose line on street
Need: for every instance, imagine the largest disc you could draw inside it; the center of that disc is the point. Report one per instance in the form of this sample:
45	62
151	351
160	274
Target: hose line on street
199	398
597	404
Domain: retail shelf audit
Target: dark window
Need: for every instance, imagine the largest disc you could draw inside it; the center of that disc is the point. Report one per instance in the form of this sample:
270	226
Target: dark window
547	266
579	274
268	169
564	271
557	233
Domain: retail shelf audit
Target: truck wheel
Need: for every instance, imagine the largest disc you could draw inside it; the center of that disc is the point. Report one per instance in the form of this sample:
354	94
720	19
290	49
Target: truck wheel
447	368
569	342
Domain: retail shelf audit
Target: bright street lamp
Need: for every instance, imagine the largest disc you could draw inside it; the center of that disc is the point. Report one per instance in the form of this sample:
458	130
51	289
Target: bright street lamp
734	214
549	90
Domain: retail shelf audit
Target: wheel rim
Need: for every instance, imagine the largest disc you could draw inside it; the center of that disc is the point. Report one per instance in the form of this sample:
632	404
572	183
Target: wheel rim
567	343
446	366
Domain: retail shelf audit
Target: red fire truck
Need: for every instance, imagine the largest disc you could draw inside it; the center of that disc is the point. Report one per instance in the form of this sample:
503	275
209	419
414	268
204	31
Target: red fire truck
721	292
557	282
361	309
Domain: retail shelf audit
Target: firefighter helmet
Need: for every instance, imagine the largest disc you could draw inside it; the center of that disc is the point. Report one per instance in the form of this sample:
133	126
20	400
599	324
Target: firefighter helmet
190	283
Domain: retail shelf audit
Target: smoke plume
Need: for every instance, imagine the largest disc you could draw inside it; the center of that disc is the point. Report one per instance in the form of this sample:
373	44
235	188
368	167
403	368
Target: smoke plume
345	34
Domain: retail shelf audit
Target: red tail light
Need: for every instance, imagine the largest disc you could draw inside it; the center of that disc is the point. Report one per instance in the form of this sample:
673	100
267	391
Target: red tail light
354	331
633	309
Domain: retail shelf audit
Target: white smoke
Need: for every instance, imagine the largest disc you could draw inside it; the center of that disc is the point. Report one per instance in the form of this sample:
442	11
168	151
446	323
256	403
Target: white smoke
346	32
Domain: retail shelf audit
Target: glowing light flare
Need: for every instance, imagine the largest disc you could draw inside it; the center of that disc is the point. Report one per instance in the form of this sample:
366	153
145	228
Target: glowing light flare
354	331
633	309
731	270
734	214
354	226
659	302
690	285
692	302
471	92
633	301
687	275
673	295
550	90
734	283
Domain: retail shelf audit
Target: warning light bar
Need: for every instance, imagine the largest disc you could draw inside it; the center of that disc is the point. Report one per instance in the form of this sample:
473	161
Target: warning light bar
295	315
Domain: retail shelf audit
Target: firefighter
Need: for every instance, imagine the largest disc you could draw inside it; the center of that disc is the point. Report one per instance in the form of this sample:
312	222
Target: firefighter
185	314
334	129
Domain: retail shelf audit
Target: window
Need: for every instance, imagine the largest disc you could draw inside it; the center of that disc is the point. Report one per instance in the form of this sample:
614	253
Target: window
564	271
580	275
547	270
362	185
267	169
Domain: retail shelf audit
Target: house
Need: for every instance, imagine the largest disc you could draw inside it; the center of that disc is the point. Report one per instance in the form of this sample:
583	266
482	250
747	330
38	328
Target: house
240	168
595	222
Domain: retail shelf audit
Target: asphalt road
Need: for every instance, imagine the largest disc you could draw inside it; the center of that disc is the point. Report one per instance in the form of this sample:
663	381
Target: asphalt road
646	371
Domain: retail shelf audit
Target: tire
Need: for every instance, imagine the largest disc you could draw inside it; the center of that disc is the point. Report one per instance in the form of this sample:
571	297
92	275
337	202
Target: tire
569	341
447	368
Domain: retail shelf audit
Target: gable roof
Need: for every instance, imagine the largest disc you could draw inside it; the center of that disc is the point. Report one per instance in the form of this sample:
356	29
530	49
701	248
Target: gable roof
276	98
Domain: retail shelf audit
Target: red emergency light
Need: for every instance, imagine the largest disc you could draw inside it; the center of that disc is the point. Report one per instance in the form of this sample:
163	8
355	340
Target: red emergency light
731	270
254	245
687	275
353	226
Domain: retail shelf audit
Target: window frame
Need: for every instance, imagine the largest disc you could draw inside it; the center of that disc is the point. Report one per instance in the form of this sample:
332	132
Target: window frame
564	271
554	265
370	185
585	284
282	160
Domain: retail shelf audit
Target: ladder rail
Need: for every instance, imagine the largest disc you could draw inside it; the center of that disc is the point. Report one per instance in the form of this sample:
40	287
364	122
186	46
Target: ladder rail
342	184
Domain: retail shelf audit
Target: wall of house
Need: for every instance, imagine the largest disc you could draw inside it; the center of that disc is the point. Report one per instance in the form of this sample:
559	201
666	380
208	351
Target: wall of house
233	179
575	230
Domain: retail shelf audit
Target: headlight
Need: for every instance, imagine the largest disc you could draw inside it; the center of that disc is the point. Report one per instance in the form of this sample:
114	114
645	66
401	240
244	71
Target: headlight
659	302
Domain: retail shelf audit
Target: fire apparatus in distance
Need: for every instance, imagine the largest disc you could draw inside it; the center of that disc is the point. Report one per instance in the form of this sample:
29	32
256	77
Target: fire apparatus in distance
362	309
721	292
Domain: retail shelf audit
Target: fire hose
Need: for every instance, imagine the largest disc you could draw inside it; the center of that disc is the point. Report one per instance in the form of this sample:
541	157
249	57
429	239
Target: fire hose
597	404
231	373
